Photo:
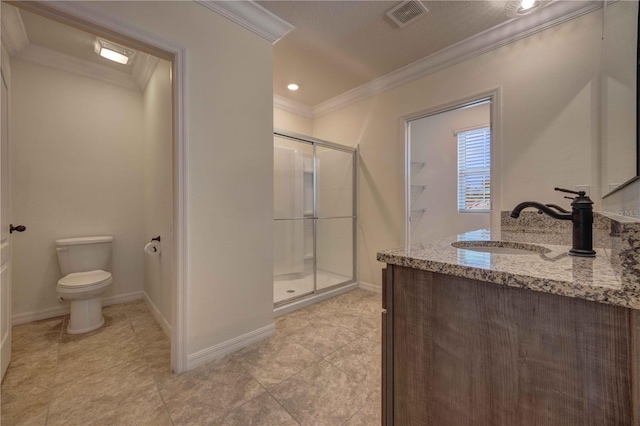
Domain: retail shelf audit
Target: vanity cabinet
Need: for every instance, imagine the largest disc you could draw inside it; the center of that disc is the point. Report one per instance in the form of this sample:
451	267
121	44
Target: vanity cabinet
458	351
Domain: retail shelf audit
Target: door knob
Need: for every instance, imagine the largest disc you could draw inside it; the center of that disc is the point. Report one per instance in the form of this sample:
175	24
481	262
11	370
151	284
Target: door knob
19	228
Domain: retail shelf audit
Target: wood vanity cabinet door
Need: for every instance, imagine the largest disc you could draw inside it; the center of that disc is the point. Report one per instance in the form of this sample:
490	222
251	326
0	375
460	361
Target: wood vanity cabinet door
387	347
467	352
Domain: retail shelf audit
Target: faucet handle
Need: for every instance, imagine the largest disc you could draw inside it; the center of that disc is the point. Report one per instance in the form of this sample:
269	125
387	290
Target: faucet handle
569	191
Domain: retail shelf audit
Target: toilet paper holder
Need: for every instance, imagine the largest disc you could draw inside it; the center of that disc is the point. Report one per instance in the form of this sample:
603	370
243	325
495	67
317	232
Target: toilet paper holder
156	239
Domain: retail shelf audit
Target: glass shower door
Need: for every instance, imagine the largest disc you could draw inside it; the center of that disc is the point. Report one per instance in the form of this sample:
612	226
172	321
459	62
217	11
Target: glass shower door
315	216
293	239
335	249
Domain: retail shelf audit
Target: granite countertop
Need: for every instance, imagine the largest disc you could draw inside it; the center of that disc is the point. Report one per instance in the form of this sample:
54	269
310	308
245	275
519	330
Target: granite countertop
611	277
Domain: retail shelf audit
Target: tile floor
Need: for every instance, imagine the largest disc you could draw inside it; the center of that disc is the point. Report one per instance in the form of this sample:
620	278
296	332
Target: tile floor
321	368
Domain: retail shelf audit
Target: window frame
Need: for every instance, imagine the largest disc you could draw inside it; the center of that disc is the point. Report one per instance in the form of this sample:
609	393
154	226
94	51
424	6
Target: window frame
485	156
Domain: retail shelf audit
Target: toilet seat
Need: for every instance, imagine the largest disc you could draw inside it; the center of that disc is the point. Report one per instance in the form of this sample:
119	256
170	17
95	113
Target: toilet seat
80	281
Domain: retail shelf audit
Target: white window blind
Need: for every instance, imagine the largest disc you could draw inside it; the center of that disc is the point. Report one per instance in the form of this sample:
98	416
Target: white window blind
474	170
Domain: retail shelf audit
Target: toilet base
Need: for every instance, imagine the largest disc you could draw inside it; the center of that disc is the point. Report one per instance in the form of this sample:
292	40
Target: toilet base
85	316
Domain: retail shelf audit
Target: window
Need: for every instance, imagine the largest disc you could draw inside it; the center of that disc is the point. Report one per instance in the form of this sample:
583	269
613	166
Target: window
474	170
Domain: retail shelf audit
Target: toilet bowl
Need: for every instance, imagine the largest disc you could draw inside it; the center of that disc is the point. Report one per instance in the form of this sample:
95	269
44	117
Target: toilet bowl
83	262
84	289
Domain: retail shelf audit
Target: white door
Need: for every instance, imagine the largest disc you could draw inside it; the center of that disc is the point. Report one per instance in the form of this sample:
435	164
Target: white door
5	250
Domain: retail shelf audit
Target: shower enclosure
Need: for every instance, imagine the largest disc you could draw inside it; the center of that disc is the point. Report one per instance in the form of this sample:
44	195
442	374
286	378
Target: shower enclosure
314	216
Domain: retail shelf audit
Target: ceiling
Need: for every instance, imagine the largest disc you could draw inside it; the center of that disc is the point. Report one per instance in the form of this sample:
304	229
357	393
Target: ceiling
336	46
41	40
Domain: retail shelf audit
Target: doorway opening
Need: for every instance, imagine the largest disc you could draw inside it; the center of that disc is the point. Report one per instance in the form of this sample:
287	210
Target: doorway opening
450	169
168	191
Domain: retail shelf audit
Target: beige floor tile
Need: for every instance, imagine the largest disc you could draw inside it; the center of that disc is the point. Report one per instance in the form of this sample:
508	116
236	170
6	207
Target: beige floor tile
362	361
371	303
103	352
24	416
358	322
140	316
275	360
322	337
320	395
209	392
370	414
375	334
26	405
37	328
336	304
148	409
260	411
296	320
104	396
112	375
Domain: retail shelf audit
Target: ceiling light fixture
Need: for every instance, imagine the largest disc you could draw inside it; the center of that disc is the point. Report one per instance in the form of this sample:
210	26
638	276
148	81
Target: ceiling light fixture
527	4
293	86
519	8
113	51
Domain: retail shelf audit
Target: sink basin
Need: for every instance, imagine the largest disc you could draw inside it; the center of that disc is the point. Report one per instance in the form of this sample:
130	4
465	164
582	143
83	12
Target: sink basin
501	247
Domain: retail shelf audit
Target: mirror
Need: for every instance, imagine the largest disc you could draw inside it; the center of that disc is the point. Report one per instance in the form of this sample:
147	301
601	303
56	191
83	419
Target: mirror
619	67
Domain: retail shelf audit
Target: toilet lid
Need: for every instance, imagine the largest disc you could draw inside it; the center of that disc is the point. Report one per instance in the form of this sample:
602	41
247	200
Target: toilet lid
84	279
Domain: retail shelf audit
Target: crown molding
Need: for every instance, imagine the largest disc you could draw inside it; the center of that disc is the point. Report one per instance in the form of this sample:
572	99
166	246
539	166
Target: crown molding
16	40
63	62
292	106
14	34
251	16
556	13
143	69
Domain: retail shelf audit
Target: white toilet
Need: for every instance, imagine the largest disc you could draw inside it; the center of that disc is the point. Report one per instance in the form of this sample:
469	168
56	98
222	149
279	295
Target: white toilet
84	262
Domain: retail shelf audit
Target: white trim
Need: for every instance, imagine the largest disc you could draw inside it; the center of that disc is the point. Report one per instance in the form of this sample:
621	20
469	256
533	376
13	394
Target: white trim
143	69
370	287
299	304
63	62
470	128
289	105
14	34
26	317
225	348
180	289
162	321
180	286
495	95
251	16
556	13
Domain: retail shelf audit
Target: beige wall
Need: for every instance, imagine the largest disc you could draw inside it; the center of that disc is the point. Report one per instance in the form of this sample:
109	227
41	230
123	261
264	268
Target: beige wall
229	105
619	94
76	160
549	126
158	202
433	142
285	120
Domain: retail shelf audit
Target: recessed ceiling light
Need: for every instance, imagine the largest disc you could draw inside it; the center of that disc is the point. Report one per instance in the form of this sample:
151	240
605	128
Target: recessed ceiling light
519	8
113	51
527	4
293	86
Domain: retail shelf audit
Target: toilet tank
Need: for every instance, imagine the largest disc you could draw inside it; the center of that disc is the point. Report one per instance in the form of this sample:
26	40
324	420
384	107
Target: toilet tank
84	254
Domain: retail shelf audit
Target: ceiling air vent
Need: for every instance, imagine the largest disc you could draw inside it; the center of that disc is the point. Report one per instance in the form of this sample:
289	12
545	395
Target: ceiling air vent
407	12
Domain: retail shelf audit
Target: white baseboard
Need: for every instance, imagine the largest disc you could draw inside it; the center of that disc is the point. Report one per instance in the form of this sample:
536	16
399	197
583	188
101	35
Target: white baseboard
122	298
225	348
370	287
63	309
166	327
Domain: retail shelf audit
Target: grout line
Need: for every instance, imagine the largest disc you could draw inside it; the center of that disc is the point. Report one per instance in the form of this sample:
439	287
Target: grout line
267	391
146	361
55	371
